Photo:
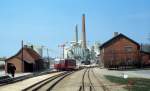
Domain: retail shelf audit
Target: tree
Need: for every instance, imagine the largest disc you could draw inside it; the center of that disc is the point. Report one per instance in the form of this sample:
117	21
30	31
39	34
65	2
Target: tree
146	47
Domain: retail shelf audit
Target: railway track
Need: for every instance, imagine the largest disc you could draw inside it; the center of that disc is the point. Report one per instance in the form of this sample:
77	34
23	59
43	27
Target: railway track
82	88
92	87
100	82
90	82
86	81
47	84
9	80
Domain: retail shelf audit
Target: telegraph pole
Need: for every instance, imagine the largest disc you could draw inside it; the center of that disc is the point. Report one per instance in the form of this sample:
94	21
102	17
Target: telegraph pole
48	58
22	56
63	47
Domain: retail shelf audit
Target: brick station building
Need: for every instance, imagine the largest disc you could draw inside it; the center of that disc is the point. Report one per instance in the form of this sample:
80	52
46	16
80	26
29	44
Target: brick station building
121	51
145	57
26	60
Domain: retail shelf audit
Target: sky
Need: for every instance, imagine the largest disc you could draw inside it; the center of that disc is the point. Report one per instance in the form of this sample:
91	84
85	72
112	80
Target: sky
52	22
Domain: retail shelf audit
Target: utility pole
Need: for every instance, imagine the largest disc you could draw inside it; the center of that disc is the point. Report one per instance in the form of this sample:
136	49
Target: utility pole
48	58
22	56
63	47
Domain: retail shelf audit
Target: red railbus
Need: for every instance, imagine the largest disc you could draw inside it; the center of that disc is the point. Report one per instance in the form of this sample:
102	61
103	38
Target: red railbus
65	64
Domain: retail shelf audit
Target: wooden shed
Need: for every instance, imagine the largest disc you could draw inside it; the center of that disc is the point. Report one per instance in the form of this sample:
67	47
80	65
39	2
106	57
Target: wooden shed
26	60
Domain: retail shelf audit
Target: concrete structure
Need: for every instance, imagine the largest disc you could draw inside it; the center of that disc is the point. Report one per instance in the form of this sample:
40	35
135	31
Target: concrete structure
83	32
76	34
26	60
78	49
120	51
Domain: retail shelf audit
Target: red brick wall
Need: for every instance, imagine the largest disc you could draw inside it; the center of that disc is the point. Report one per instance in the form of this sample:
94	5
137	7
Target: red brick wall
145	59
115	53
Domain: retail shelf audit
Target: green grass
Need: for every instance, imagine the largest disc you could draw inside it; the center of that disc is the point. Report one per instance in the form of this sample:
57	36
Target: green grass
139	84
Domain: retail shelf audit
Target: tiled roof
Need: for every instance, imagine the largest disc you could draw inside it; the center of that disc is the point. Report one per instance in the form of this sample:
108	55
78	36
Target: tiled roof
30	51
33	53
116	37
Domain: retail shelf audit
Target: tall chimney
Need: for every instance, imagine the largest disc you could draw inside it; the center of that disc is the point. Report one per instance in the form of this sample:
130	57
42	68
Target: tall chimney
83	32
76	33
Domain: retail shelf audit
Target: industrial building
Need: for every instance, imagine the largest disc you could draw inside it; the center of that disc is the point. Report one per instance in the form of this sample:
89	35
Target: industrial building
78	48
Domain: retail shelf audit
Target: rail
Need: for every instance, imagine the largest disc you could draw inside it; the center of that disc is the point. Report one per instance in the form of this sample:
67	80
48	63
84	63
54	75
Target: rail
8	80
47	84
90	81
100	82
89	85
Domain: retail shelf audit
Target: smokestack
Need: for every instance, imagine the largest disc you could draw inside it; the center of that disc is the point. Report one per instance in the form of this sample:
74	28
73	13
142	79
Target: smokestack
83	32
76	33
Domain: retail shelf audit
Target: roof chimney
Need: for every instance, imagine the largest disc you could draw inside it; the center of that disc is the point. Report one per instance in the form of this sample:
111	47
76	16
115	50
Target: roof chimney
115	34
25	46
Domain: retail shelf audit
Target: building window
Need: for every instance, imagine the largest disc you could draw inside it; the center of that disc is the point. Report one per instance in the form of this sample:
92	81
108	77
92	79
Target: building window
128	48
